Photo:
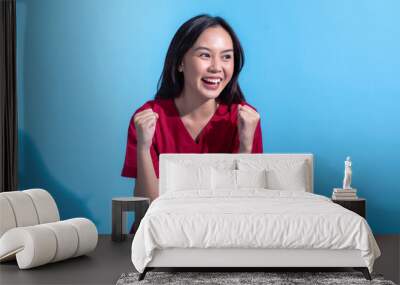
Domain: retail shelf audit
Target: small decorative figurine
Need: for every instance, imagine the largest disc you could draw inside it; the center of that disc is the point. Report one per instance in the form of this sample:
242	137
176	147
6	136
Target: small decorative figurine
347	174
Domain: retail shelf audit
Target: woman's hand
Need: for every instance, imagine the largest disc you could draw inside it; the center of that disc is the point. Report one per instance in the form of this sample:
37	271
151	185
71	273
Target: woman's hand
145	124
247	122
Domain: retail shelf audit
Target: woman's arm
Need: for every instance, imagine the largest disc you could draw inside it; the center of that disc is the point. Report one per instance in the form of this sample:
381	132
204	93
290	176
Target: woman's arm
146	180
146	184
248	120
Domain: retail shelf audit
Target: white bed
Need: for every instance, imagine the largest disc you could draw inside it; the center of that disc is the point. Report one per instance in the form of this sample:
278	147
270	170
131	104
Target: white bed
202	220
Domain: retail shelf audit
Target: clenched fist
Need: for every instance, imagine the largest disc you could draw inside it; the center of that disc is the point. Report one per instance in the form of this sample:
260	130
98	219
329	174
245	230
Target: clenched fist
145	124
247	122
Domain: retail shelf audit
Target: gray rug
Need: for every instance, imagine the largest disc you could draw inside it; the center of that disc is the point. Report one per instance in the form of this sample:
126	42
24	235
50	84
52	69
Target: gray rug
230	278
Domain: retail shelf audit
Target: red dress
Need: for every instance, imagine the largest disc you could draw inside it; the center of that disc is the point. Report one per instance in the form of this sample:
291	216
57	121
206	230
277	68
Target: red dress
220	135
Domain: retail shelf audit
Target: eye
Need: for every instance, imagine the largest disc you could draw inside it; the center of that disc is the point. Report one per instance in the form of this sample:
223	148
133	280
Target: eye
205	55
227	57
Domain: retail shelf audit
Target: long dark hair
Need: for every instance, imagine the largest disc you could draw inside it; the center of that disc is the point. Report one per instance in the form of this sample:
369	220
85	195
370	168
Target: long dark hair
170	84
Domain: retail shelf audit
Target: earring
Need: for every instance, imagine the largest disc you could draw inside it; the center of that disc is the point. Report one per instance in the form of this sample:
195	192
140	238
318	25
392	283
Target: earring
180	68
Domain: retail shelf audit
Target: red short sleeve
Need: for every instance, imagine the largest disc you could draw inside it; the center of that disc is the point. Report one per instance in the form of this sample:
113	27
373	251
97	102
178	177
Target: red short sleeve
130	165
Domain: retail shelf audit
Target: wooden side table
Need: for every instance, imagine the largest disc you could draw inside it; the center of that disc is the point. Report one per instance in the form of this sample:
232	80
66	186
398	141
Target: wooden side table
357	206
120	206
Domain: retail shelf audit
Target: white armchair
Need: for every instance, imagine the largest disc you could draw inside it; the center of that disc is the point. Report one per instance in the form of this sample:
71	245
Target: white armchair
31	230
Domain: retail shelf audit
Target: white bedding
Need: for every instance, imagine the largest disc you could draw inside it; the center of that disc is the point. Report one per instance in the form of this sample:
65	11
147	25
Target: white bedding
250	218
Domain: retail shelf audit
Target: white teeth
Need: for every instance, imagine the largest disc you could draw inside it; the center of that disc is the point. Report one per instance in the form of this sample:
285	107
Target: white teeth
213	80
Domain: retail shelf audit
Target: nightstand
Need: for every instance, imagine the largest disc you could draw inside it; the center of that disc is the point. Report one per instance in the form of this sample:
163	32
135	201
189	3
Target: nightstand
357	205
120	206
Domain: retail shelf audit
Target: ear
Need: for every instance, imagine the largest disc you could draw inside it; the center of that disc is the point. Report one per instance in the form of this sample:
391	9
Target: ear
180	67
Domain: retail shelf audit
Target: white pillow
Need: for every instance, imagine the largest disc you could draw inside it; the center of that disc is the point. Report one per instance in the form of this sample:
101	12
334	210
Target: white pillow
281	174
223	179
228	179
251	178
290	179
182	177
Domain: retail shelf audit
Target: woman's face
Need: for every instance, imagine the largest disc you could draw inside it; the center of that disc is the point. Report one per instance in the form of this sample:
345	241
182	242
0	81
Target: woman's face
208	65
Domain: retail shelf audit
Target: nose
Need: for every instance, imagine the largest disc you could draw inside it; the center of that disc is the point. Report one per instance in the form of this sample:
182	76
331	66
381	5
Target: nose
215	65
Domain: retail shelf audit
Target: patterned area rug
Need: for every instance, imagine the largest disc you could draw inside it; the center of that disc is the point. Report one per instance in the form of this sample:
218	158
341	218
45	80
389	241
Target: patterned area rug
269	278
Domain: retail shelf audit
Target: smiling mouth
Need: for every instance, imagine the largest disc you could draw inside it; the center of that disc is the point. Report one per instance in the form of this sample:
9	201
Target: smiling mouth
211	82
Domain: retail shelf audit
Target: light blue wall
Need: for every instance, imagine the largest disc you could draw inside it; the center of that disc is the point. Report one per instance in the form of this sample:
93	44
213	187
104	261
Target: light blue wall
325	76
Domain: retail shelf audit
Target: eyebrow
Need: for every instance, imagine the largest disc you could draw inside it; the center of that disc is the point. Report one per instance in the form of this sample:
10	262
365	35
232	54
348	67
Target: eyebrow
198	48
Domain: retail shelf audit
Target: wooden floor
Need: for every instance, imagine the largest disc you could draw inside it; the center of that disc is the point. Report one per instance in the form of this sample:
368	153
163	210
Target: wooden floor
111	259
389	262
102	266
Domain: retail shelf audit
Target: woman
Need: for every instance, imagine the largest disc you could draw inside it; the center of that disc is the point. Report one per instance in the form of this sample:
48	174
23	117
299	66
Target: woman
199	106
